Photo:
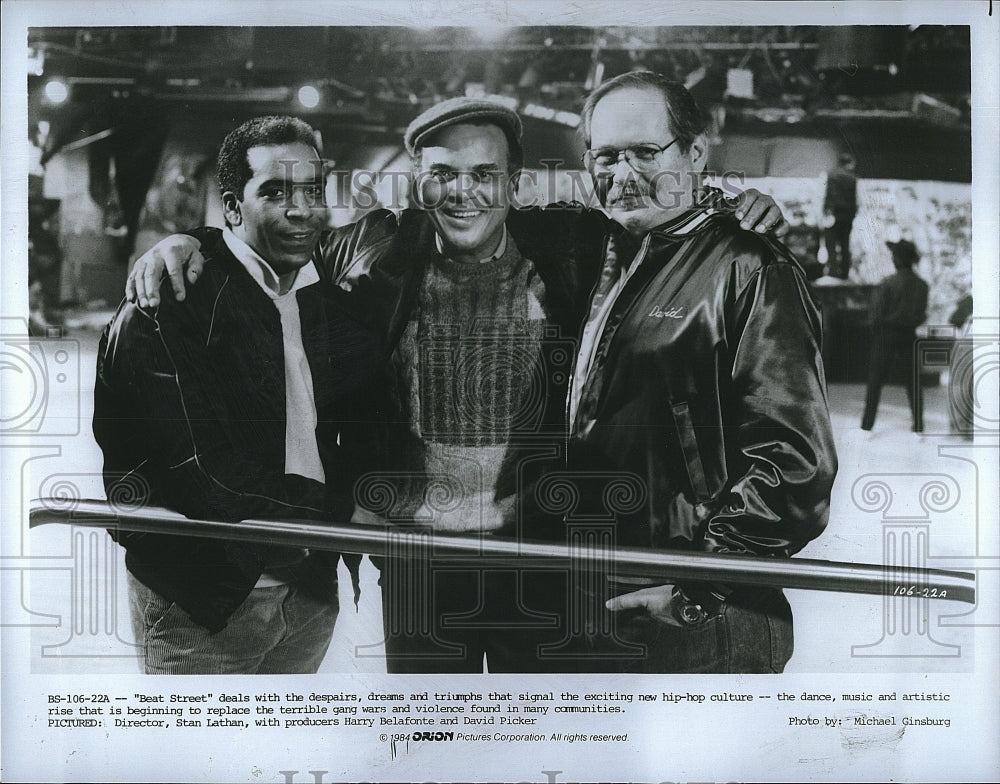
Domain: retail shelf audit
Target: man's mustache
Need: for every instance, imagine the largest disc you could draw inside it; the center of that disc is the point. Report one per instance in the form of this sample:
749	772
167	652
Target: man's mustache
630	192
664	189
609	192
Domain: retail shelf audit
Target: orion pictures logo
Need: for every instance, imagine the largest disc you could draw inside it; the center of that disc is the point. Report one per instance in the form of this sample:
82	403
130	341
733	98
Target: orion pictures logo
41	382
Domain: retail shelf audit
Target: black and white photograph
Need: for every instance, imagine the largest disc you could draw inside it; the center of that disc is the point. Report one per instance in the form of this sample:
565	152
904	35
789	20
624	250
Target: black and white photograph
500	391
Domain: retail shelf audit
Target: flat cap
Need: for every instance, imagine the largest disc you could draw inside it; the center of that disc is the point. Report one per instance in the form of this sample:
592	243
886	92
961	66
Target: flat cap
461	110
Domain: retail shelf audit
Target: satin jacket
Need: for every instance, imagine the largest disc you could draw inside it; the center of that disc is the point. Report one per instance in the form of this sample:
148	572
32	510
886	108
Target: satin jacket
383	258
704	422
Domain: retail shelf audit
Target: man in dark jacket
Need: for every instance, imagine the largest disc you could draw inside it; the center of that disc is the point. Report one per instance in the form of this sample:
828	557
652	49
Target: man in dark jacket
699	386
237	402
899	306
481	306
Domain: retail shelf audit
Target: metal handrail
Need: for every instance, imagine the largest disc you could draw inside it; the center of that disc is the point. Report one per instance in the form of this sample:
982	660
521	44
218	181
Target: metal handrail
490	551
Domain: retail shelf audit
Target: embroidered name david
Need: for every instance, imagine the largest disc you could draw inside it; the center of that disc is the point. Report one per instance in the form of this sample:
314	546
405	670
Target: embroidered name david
671	313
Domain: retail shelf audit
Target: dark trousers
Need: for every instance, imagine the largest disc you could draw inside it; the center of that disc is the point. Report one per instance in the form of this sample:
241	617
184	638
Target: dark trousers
751	633
838	245
891	346
447	617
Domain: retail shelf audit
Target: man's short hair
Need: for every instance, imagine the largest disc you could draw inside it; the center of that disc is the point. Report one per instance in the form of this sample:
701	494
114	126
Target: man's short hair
234	168
466	111
687	119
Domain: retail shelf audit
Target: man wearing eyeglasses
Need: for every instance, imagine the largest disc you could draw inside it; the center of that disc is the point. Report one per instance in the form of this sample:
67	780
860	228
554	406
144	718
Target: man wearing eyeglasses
699	374
481	307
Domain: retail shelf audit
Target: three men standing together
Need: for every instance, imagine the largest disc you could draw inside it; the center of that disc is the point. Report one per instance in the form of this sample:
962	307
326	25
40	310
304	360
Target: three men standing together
696	378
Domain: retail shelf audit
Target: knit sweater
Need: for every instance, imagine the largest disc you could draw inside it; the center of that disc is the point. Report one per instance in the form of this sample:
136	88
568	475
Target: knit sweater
469	364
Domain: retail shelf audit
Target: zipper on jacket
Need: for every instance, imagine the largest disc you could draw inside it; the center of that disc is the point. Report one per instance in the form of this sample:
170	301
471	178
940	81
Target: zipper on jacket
636	262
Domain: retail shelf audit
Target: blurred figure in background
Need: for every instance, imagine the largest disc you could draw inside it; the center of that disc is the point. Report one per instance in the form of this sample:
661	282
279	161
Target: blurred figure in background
841	202
962	313
899	307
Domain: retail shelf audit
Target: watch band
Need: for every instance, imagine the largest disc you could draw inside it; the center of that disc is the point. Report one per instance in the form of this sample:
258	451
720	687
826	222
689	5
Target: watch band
694	603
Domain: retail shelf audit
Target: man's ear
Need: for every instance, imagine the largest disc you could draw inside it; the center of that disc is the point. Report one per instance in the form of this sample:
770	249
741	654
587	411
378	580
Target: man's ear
231	209
514	183
699	153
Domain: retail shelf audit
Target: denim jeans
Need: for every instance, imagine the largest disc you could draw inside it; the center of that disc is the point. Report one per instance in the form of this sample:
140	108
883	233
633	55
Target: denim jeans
751	633
278	629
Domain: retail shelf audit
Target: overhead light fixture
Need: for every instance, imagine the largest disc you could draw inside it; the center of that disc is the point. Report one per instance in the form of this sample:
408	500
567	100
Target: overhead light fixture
56	90
308	96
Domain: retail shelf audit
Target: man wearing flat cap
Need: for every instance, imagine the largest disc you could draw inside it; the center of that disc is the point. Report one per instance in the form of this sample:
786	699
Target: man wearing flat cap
899	306
481	306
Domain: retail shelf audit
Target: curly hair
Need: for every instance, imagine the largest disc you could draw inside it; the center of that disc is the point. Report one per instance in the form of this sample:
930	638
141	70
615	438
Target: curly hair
233	166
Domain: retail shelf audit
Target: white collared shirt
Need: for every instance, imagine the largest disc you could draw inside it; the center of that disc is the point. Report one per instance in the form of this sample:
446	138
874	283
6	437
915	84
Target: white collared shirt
301	449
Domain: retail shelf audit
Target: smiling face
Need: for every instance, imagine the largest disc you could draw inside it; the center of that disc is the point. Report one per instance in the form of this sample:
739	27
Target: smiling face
641	200
282	213
462	181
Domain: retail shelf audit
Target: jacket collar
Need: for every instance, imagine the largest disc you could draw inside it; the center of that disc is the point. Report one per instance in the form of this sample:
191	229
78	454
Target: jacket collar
691	222
708	202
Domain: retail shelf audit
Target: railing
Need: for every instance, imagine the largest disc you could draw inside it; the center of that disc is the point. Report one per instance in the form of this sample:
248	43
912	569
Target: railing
493	552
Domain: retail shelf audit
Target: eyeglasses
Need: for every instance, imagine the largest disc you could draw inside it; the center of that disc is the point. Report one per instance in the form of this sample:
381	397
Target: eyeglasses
640	157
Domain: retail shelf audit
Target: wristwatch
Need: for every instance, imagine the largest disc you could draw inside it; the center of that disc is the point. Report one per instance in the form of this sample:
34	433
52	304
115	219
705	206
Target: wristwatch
694	604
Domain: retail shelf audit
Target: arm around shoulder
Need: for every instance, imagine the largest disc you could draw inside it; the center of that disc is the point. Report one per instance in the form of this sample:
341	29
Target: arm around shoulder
347	253
177	256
